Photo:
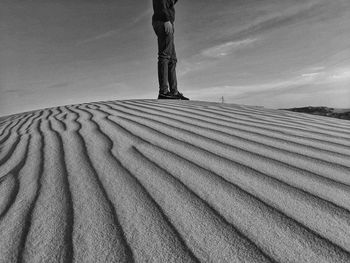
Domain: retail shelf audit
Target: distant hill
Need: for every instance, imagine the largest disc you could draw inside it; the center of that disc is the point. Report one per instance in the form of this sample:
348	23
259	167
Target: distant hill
324	111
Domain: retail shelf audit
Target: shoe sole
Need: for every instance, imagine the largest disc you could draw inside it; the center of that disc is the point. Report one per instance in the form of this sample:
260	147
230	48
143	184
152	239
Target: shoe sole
167	98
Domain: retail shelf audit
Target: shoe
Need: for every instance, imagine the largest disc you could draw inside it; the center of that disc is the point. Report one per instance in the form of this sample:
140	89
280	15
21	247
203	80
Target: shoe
167	96
180	96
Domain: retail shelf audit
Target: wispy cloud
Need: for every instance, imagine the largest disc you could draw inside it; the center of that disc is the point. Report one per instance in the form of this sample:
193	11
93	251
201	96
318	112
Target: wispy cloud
239	90
342	74
294	14
227	48
100	36
117	31
212	55
58	85
308	82
310	75
142	16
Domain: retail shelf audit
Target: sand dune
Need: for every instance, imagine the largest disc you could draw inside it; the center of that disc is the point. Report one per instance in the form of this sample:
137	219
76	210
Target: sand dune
173	181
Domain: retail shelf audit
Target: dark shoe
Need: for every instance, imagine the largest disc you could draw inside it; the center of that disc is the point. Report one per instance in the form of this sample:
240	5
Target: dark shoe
167	96
180	96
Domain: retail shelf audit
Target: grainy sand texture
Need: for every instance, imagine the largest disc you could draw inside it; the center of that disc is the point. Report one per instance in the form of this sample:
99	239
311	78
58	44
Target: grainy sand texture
173	181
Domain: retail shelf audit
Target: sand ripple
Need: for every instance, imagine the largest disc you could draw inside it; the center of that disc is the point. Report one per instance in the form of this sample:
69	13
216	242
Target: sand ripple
173	181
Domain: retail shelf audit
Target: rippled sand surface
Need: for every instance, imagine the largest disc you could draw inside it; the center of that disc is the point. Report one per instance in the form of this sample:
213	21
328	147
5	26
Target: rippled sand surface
173	181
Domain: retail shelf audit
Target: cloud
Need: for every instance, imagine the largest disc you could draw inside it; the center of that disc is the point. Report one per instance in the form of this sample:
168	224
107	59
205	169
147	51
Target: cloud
225	49
12	91
142	16
58	85
239	91
211	56
331	80
117	31
310	75
316	68
295	14
100	36
340	75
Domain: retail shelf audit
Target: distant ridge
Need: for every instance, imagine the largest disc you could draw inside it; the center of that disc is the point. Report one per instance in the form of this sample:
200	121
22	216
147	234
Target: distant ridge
324	111
173	181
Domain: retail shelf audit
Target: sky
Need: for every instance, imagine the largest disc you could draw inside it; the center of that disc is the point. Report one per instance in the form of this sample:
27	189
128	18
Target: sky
271	53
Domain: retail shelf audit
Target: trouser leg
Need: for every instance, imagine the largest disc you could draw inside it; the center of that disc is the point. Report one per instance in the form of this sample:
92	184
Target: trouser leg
163	74
172	70
166	58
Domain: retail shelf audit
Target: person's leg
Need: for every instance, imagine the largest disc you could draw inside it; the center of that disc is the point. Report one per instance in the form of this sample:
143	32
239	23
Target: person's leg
165	42
172	68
